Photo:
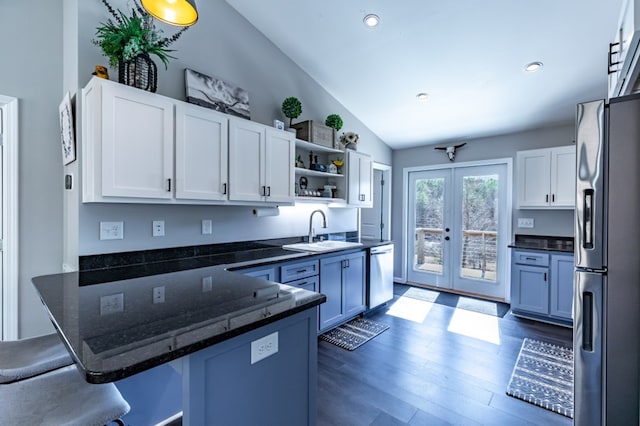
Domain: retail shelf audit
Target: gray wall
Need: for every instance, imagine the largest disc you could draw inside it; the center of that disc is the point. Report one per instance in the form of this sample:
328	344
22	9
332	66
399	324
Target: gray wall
225	45
547	222
32	72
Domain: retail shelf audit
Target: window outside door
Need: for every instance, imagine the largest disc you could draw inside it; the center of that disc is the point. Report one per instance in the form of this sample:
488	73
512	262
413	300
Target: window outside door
459	225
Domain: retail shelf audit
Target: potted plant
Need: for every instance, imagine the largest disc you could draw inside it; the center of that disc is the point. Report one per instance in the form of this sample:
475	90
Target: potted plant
334	121
291	108
127	41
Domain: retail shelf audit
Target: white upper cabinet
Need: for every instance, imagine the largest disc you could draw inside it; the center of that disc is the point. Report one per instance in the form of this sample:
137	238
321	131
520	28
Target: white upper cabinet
261	163
280	153
546	178
623	51
359	179
201	153
128	143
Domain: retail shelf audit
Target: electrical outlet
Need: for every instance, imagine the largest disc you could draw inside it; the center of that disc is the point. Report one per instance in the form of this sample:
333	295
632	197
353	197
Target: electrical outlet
524	222
158	228
206	226
207	284
264	347
111	230
111	304
158	295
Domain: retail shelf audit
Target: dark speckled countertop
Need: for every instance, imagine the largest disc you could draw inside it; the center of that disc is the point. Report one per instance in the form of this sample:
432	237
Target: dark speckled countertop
543	243
107	319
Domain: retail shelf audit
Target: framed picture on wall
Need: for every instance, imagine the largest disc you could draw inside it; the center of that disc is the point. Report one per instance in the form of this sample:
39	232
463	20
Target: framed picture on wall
217	94
66	130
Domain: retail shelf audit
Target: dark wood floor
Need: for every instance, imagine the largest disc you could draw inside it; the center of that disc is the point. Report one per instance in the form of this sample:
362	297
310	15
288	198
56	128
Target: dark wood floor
422	374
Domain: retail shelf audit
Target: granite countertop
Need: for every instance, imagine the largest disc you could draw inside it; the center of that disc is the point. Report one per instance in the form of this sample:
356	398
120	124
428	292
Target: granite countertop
543	243
107	319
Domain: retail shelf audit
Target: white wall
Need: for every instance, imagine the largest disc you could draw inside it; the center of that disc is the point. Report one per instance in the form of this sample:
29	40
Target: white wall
31	70
547	222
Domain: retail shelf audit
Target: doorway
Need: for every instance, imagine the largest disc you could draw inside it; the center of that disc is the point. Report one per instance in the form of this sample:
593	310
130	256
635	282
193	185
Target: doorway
375	221
458	227
9	218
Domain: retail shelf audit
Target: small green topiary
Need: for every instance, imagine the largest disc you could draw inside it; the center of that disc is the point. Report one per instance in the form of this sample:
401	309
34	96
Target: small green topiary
335	121
292	108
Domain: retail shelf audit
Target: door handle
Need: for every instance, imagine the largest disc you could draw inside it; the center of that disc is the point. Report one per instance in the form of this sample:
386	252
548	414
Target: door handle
587	217
169	185
587	321
546	198
553	198
224	189
268	191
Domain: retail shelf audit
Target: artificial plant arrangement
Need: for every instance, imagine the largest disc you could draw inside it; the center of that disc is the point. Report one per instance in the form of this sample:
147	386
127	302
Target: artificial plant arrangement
291	108
350	139
334	121
123	37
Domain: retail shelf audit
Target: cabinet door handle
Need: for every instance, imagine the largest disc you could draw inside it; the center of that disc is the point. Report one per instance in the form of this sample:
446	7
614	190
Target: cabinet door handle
301	271
348	265
302	283
530	258
169	185
546	198
264	191
545	276
224	189
268	191
553	198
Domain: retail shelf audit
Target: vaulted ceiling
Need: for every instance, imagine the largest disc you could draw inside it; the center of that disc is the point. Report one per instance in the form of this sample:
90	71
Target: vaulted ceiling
469	56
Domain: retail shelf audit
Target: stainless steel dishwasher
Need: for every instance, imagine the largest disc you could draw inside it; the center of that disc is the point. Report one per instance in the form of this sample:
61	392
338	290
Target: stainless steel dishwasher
380	283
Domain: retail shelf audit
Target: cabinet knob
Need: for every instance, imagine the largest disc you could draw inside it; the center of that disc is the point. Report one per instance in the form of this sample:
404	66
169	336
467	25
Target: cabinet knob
447	238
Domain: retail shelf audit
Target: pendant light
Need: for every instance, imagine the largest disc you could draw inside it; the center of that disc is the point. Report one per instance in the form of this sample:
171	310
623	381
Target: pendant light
182	13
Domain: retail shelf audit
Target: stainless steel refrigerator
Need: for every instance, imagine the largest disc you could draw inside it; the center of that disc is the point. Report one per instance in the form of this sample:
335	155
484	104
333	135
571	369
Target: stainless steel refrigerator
606	307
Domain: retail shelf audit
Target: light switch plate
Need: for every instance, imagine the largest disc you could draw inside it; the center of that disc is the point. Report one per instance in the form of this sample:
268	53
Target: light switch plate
206	226
111	304
264	347
207	283
111	230
525	222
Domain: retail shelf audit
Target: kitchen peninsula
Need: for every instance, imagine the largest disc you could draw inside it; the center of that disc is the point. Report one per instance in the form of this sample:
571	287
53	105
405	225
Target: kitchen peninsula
243	345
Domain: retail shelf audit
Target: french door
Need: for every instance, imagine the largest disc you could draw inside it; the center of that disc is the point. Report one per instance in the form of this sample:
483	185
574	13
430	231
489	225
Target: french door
458	228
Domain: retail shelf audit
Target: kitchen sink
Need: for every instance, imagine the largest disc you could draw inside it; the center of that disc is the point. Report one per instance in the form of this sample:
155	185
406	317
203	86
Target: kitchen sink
321	246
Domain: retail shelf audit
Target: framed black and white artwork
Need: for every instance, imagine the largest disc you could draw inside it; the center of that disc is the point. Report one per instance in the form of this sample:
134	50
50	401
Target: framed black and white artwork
67	135
217	94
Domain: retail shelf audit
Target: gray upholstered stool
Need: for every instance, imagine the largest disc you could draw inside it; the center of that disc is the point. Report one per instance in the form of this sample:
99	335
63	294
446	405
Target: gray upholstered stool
25	358
60	397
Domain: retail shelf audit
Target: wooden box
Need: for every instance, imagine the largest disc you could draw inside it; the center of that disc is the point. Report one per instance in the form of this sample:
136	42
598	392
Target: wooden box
315	132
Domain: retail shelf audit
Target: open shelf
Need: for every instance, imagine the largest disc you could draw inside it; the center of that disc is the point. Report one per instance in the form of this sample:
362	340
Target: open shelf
315	147
306	172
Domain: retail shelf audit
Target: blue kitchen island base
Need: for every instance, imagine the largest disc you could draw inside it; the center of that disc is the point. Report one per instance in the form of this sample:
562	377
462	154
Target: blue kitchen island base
221	385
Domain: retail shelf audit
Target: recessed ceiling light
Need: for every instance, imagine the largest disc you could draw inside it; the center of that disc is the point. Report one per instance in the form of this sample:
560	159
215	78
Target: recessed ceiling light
422	96
533	66
371	20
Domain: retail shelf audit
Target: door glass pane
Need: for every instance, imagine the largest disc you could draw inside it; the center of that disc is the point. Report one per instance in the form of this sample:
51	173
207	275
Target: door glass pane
479	227
429	214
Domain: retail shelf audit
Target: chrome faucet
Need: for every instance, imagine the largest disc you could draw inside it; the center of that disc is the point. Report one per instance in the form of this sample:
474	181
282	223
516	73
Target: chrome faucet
324	223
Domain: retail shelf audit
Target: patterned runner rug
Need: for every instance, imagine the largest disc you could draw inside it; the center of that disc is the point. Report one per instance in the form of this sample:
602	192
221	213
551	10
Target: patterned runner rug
354	333
543	375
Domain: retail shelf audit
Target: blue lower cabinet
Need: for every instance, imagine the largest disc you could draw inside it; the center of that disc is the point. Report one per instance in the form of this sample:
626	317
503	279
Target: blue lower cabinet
542	286
342	280
561	303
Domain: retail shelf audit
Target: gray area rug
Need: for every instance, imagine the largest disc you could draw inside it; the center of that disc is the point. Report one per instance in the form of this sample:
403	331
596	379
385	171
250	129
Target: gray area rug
354	333
543	375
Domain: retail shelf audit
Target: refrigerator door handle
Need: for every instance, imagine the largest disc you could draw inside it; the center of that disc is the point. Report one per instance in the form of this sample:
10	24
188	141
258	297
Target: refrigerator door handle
587	321
587	211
